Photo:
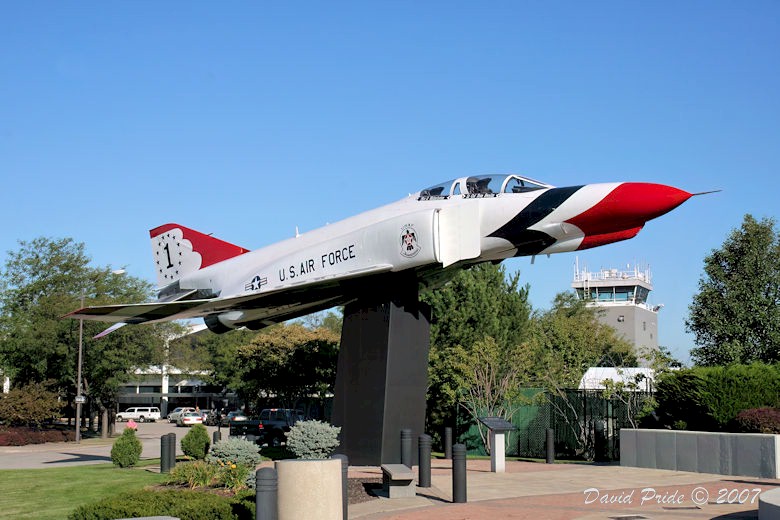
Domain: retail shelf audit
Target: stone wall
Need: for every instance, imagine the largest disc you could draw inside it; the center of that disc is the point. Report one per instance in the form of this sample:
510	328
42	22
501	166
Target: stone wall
748	454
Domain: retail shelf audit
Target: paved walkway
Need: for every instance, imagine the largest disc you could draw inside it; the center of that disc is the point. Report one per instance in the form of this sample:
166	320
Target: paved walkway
526	491
90	450
570	491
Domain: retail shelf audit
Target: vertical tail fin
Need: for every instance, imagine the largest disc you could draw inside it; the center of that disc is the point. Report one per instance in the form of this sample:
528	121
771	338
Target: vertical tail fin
178	250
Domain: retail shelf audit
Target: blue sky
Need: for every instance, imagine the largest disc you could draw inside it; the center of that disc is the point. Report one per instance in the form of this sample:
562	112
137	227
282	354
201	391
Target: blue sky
247	119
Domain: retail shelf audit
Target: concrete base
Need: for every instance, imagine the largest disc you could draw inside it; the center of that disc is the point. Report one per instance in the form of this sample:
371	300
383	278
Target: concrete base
382	378
309	489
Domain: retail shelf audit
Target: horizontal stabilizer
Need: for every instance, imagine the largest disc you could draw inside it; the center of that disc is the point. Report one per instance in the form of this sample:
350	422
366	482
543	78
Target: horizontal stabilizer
109	330
137	312
277	301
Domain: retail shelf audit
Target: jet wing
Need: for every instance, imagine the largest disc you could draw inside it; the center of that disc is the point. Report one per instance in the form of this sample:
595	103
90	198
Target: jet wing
274	304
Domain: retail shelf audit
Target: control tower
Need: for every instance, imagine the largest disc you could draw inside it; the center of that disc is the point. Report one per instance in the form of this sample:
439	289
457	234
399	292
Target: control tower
621	296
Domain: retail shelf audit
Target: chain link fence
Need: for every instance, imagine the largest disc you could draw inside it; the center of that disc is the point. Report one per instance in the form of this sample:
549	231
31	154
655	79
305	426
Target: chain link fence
586	424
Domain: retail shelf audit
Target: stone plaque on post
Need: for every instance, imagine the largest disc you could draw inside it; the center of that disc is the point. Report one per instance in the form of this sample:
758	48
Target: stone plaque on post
498	427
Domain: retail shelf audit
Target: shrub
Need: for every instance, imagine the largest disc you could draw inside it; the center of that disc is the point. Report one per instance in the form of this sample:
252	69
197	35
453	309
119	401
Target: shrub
31	404
235	476
313	439
53	436
196	443
194	474
35	437
186	505
127	449
237	451
758	420
235	460
12	438
709	398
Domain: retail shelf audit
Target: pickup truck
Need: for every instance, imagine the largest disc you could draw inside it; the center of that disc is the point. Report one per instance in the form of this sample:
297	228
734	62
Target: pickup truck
269	427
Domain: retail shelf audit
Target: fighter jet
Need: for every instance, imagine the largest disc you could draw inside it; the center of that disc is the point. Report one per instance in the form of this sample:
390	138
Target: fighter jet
421	240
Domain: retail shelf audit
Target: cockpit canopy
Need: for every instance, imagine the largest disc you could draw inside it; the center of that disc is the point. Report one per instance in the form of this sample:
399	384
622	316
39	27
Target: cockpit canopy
482	186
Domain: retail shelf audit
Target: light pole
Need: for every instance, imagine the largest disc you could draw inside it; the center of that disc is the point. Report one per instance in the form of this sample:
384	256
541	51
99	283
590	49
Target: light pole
79	397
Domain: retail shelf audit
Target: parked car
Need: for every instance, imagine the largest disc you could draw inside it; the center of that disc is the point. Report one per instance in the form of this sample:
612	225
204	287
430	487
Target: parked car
189	418
176	413
277	422
235	415
140	414
269	427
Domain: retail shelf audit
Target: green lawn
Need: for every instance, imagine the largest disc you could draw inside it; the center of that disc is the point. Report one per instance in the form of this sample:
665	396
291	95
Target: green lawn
54	493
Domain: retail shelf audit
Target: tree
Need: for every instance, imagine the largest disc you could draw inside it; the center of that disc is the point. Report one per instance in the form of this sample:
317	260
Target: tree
477	304
566	340
331	319
30	405
493	386
735	316
223	367
289	362
41	282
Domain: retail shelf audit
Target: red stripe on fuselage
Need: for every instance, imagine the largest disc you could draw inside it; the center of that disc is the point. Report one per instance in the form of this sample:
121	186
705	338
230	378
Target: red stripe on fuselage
626	209
607	238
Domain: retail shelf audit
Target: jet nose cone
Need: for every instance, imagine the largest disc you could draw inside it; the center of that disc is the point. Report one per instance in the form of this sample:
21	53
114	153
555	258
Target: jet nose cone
647	199
629	205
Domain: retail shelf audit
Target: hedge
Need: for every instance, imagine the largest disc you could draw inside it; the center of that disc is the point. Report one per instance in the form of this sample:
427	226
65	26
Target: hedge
183	504
710	398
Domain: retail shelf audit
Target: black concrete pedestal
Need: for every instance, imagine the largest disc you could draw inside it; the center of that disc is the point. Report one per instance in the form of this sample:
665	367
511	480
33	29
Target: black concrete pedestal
382	379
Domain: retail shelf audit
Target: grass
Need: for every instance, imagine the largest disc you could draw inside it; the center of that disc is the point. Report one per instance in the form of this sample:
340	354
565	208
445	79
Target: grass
53	493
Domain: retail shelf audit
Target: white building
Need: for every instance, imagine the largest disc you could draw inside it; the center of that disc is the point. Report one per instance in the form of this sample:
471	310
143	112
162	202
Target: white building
168	387
636	379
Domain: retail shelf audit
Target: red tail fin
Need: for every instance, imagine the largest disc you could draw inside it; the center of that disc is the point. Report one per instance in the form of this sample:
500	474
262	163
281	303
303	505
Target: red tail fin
178	250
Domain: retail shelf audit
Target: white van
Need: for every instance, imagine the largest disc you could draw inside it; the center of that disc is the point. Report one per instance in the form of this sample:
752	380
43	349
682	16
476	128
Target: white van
140	414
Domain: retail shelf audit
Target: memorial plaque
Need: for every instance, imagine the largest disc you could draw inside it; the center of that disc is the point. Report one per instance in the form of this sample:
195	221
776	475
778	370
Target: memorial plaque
497	424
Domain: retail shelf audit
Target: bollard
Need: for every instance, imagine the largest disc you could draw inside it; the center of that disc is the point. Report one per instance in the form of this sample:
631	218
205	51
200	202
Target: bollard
217	436
344	479
600	442
448	443
424	453
459	474
550	442
165	446
406	447
172	451
266	494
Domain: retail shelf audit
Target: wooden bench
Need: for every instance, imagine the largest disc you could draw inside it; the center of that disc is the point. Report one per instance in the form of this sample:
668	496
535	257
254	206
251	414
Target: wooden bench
398	481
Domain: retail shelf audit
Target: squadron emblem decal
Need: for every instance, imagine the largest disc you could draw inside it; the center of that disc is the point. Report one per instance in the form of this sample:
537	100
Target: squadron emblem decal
409	245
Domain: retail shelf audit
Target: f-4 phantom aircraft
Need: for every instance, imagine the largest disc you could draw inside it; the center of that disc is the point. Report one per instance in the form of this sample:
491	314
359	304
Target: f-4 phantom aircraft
423	239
